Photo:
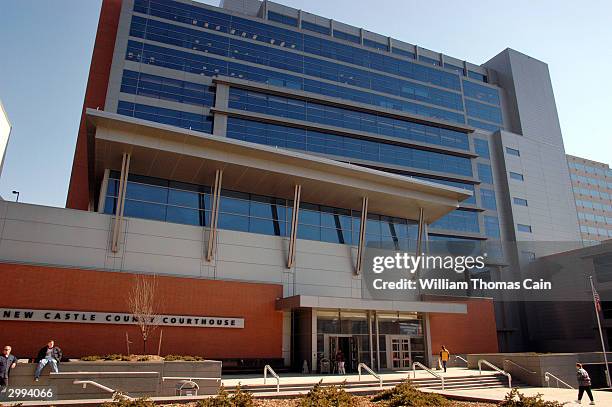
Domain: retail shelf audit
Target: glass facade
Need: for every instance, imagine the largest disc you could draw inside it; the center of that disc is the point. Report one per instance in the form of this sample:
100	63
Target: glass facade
345	118
193	41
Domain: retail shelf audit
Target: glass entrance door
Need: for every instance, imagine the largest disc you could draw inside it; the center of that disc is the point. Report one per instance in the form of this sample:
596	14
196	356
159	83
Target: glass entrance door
399	352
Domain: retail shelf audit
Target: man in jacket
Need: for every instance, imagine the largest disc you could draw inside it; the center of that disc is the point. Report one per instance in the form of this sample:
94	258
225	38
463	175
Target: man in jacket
49	354
7	362
584	384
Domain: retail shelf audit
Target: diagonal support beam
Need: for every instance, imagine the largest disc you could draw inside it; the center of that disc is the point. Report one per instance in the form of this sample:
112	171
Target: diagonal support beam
362	232
214	214
294	225
123	178
420	233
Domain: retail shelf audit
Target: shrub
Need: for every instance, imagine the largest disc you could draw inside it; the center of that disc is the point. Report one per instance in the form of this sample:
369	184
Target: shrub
119	400
516	399
91	358
185	358
223	399
328	396
405	394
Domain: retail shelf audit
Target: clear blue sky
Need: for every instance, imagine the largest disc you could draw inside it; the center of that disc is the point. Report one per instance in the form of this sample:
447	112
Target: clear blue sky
46	45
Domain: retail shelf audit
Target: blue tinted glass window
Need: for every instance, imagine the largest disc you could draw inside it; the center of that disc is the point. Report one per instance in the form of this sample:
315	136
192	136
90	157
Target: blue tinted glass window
339	117
491	224
513	151
519	201
171	117
315	27
281	18
347	37
477	76
484	126
487	198
458	220
523	228
516	176
454	68
482	148
433	61
345	147
482	111
481	92
485	174
469	187
373	44
402	52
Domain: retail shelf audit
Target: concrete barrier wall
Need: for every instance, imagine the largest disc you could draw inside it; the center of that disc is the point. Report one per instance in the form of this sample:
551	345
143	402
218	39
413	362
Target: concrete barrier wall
532	367
138	379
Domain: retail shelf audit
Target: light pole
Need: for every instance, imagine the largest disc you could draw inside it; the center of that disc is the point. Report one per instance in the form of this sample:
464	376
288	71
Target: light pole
16	193
596	302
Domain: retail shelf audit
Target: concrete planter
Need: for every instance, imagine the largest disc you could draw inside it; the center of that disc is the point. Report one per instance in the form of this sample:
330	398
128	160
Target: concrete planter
532	367
136	379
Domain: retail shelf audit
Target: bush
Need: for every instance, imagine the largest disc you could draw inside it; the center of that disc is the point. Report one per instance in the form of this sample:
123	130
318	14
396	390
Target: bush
117	356
119	400
405	394
328	396
516	399
223	399
184	358
91	358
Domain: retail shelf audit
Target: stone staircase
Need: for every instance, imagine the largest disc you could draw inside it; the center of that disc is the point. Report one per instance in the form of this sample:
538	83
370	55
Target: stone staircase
370	385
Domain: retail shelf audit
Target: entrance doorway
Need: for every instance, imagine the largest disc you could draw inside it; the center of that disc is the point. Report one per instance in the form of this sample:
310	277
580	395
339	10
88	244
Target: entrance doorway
403	350
349	347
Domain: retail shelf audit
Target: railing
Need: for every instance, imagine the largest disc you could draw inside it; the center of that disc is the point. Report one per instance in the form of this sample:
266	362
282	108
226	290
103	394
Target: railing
99	386
497	369
191	379
268	368
548	375
519	366
459	357
370	371
428	370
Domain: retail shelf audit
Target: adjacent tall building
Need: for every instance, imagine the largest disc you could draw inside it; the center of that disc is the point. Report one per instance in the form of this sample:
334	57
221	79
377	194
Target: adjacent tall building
265	147
592	185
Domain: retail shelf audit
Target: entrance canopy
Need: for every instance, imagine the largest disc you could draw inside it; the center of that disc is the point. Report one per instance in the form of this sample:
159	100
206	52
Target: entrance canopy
358	304
179	154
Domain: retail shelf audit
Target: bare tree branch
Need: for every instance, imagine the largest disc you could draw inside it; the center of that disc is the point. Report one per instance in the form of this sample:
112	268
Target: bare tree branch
142	304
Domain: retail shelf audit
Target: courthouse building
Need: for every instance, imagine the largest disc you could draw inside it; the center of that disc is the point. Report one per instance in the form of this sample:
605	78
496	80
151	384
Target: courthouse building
247	155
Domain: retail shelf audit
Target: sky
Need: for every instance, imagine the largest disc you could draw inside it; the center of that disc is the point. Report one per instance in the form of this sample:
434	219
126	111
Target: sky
46	46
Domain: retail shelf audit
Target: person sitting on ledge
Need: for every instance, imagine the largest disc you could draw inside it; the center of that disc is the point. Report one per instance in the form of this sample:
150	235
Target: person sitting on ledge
49	354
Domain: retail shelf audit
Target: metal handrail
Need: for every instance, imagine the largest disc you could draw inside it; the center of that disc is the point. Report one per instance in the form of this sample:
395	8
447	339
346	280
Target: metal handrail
459	357
492	366
370	371
191	379
268	368
422	366
520	367
548	375
100	386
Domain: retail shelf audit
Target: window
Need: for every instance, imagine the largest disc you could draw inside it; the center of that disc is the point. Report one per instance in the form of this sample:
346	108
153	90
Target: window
491	224
477	76
376	45
482	148
454	68
523	228
519	201
315	27
485	174
433	61
402	52
487	198
516	176
347	37
513	151
483	112
481	92
281	18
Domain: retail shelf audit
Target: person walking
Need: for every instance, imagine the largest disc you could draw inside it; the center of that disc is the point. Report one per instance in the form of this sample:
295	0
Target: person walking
49	354
444	356
584	384
7	362
340	362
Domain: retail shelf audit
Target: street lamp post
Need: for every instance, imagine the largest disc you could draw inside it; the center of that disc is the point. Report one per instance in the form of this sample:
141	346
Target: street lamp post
16	193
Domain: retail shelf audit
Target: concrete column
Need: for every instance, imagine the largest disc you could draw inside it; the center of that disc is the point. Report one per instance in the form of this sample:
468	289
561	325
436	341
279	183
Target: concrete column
221	101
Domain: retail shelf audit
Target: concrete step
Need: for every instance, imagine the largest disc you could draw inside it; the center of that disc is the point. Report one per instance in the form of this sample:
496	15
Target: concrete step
371	384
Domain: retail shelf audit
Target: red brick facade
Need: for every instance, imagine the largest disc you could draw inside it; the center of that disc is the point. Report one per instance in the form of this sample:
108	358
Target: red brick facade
80	190
36	287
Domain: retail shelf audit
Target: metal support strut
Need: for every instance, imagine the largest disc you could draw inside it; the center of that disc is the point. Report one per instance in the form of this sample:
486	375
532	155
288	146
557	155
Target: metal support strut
294	225
214	214
123	178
